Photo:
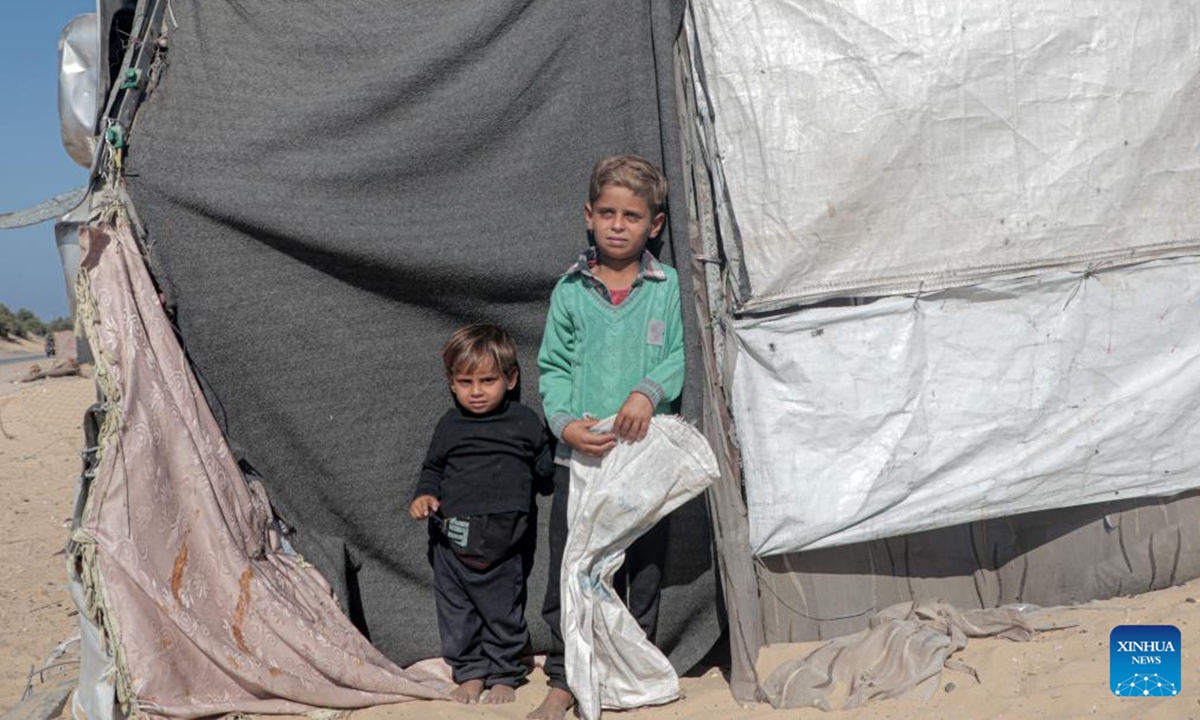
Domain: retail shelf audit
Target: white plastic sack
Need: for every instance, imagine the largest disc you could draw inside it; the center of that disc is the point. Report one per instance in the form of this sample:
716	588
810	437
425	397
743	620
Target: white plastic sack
871	148
858	423
614	500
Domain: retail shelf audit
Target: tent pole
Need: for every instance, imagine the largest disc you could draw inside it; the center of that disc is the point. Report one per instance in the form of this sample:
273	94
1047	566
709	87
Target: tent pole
738	575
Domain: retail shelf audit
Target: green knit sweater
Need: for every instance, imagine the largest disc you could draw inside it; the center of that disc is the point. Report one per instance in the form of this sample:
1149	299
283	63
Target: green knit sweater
594	354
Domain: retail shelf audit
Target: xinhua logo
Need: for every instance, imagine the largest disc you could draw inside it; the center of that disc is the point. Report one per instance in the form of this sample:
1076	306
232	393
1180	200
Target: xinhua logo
1144	660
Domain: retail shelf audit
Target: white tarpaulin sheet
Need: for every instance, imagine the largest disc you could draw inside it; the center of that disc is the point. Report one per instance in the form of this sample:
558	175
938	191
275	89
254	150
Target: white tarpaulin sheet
871	148
903	415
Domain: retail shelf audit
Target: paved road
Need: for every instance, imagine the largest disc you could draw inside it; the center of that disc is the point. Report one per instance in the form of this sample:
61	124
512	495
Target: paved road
30	358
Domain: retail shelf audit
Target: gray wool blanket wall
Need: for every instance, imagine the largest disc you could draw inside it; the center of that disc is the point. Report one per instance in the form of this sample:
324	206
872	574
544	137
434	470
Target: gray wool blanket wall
329	189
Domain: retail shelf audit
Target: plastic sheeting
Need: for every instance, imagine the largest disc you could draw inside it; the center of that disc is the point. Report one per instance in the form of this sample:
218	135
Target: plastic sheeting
1063	556
78	86
95	694
903	415
54	207
614	500
875	148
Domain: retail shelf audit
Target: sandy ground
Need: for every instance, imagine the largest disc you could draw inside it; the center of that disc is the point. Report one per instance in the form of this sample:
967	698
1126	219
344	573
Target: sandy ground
1059	674
40	439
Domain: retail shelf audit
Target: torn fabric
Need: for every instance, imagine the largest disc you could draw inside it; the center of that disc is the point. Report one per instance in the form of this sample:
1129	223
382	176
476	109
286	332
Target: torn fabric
203	615
901	655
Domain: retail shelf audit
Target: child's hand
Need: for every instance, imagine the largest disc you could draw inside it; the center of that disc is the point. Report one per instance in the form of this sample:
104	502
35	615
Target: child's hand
423	507
577	435
633	420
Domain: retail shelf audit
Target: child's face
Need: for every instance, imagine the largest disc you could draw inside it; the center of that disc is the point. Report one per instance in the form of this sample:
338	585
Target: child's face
621	223
482	389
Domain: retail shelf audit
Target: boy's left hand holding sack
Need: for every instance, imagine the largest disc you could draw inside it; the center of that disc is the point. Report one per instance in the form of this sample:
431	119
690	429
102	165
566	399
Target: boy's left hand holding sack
633	419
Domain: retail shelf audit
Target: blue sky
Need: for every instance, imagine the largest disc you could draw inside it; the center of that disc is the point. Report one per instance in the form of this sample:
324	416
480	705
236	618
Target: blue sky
33	164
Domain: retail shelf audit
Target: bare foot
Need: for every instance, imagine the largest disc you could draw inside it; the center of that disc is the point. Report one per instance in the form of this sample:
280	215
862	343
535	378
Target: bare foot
554	707
499	694
468	692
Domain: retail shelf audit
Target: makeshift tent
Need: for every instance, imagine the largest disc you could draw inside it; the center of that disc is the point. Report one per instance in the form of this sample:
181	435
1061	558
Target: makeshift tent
956	248
940	254
322	198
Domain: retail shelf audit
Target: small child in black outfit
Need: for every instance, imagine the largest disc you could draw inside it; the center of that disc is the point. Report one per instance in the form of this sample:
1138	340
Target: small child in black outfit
477	487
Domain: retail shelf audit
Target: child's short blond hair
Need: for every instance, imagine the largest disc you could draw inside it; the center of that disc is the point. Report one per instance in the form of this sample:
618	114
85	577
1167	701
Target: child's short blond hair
475	346
633	173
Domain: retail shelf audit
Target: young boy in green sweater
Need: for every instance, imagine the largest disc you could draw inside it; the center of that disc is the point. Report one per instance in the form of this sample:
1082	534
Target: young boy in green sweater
613	346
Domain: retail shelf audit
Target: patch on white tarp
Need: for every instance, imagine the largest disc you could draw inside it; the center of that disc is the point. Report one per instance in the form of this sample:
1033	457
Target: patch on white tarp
874	148
858	423
613	501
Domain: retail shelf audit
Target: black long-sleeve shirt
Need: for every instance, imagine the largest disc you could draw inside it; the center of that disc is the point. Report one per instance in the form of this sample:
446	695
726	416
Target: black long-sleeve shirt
484	464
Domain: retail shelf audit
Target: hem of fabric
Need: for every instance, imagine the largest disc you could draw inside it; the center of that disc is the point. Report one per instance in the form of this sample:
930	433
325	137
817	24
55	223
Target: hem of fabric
511	681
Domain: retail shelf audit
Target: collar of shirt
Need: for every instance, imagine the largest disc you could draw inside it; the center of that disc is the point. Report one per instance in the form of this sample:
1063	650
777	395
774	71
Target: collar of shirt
650	268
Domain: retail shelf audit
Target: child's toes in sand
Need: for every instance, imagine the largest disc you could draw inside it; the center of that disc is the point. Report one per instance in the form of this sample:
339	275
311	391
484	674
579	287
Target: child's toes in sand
499	694
468	692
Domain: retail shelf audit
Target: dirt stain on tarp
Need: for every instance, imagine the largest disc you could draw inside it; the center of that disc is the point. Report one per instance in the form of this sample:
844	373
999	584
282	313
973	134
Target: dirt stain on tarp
239	614
177	573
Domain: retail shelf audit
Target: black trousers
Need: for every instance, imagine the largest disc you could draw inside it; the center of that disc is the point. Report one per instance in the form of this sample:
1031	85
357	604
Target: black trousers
638	581
481	616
